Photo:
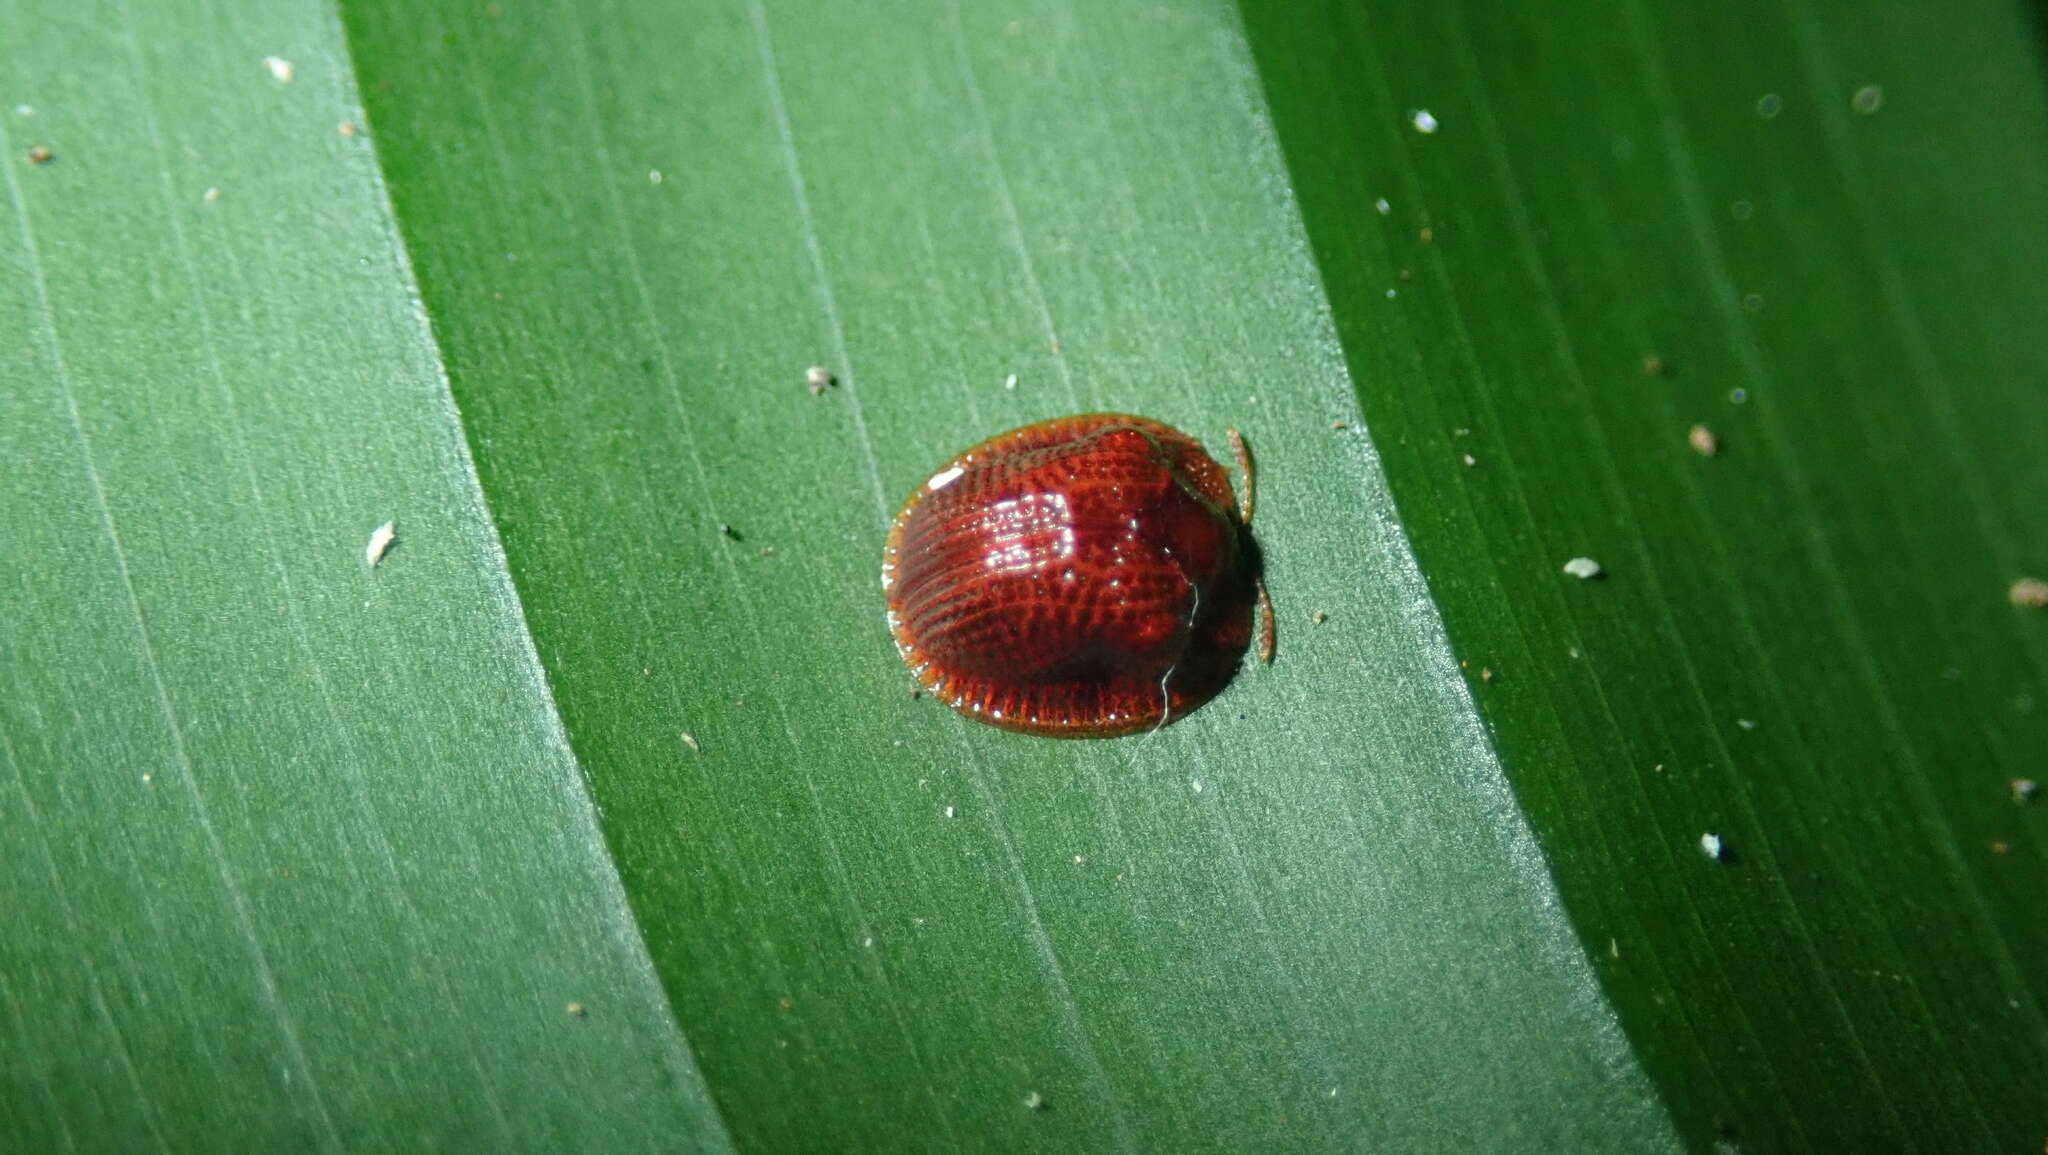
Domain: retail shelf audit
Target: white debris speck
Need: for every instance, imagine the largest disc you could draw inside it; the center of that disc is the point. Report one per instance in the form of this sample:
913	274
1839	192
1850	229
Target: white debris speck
1034	1102
346	128
1390	294
1703	441
1613	948
654	176
1197	784
1868	99
868	942
1583	568
1710	845
1424	123
1080	860
1746	723
1010	382
944	478
818	378
949	812
381	540
281	70
2028	593
210	195
1470	460
690	740
1382	205
2024	789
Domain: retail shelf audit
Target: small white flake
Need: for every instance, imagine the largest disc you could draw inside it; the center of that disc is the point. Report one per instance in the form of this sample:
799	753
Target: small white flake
1583	568
2024	789
1710	845
818	378
949	812
1745	723
210	195
1424	123
381	540
690	740
281	70
1034	1102
1382	205
1197	784
1010	382
1471	460
868	942
2028	593
944	478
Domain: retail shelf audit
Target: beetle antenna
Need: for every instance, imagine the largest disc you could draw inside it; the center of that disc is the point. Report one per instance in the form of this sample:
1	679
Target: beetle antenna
1244	473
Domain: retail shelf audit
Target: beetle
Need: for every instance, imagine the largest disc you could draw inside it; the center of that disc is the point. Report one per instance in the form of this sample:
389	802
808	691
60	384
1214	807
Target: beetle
1083	577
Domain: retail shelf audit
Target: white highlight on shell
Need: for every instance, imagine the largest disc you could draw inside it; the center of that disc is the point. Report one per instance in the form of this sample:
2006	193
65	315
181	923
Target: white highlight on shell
944	478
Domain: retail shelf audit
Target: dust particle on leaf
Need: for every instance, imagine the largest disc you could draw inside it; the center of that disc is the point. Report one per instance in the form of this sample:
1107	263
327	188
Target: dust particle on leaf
1486	673
381	540
210	195
1583	568
40	155
2024	789
578	1011
690	740
1422	120
1319	617
281	70
1703	441
1710	845
2028	593
347	128
1034	1102
818	378
1653	365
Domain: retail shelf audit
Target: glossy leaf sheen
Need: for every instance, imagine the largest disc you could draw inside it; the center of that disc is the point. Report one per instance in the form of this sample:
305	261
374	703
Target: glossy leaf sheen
295	855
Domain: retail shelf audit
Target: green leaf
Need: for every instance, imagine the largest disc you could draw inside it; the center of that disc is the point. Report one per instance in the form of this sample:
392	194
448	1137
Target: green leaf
1823	220
631	835
296	854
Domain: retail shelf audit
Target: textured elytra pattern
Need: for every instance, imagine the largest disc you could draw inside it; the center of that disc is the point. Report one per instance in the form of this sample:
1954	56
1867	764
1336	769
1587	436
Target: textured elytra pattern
1082	577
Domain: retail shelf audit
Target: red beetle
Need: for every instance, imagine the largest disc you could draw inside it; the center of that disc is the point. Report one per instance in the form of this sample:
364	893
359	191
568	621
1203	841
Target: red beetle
1083	577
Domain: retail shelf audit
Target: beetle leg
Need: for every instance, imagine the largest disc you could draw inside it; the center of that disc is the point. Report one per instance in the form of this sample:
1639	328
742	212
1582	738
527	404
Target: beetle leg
1244	473
1266	624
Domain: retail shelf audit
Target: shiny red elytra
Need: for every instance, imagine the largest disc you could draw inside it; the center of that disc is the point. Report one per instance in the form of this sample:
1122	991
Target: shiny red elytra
1084	577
